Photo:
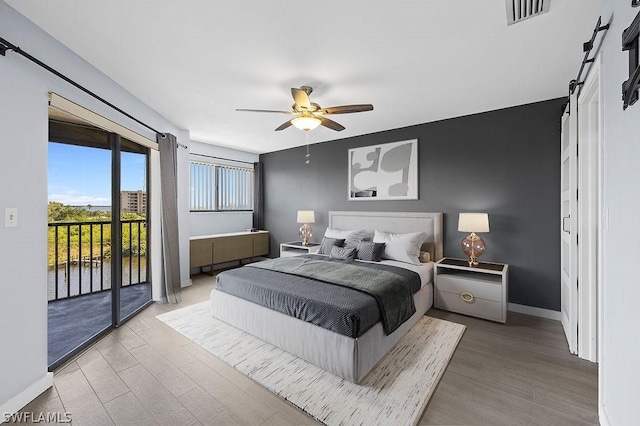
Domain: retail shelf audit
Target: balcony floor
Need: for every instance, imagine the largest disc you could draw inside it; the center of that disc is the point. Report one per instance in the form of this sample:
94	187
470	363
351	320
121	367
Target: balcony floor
73	321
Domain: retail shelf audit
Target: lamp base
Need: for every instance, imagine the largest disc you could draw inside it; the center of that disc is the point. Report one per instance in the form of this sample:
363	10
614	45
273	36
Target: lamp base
473	246
305	233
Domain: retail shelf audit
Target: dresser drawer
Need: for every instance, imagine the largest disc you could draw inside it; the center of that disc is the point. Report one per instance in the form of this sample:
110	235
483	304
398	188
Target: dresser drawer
484	287
482	308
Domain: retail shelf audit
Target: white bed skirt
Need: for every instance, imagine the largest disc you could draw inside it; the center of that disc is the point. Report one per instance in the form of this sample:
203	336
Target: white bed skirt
343	356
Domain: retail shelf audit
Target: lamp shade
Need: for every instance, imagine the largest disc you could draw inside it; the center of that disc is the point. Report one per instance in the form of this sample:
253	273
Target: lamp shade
306	123
473	222
306	216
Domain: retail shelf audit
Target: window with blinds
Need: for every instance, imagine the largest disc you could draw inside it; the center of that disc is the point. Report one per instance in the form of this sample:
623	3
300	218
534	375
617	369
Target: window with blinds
216	187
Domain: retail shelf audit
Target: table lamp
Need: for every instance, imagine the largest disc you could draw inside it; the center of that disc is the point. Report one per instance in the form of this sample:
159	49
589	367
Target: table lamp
306	217
472	245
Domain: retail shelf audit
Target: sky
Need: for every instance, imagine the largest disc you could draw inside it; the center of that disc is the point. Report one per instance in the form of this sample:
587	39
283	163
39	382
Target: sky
79	176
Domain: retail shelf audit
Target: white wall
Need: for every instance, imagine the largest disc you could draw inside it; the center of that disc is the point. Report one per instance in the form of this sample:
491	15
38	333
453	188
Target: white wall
207	223
621	345
23	250
24	89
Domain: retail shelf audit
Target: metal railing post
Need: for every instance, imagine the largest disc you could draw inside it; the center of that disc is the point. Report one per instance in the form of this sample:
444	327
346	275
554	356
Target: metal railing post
130	252
55	264
101	256
91	258
139	250
79	259
68	268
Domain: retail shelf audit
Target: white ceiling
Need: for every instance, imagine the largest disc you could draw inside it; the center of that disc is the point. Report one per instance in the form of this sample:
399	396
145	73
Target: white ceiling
416	61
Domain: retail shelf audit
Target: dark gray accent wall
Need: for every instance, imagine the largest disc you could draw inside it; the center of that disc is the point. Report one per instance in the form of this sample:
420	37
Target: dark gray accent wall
504	162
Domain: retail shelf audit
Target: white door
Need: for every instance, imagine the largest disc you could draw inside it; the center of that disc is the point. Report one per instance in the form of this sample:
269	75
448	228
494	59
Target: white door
569	223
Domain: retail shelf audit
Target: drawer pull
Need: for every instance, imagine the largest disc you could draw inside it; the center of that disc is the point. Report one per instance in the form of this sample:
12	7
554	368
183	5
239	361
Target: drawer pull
467	297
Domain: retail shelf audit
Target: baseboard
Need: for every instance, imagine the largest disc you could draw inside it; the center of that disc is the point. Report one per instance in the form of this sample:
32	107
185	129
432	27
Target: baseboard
15	404
603	417
187	283
536	312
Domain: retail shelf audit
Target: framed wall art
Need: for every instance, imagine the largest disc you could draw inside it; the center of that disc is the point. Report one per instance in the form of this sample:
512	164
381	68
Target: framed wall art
384	172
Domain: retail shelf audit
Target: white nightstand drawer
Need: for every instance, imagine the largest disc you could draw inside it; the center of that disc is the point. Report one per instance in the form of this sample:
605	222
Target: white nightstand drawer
487	309
482	287
295	248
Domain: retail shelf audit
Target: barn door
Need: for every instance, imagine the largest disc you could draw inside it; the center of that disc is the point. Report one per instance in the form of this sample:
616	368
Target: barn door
569	223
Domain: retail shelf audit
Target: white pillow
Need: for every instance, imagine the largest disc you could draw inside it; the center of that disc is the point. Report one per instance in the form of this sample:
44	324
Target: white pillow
401	247
351	237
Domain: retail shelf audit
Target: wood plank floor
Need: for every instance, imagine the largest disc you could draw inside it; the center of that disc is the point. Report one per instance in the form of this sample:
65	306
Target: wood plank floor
147	373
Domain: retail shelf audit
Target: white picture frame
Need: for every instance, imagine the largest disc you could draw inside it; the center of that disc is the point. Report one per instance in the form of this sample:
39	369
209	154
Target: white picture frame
384	172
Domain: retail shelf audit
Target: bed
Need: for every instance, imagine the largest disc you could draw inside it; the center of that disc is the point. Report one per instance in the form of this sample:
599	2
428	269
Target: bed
348	356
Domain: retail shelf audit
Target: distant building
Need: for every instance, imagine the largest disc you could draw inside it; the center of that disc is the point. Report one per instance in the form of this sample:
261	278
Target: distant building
133	202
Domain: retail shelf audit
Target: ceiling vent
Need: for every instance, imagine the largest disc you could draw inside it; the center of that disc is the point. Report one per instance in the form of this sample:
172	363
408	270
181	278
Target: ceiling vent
519	10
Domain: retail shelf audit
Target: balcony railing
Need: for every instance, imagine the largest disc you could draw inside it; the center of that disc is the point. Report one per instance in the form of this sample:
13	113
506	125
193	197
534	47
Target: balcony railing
79	257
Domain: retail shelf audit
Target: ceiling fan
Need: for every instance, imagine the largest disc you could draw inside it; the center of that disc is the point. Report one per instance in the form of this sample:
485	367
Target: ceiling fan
311	115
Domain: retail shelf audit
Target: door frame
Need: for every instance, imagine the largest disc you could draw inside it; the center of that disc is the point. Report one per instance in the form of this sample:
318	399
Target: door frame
590	212
115	132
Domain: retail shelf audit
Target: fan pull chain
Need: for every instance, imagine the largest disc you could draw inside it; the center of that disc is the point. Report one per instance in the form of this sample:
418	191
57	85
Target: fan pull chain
308	156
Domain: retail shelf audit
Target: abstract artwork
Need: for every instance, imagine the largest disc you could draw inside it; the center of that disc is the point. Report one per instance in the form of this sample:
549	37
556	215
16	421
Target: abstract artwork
384	172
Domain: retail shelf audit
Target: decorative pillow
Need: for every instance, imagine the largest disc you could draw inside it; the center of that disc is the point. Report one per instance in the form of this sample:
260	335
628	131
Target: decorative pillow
368	250
327	243
401	247
352	237
425	257
343	253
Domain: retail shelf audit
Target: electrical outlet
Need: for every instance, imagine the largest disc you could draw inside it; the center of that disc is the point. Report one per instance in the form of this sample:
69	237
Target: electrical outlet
10	217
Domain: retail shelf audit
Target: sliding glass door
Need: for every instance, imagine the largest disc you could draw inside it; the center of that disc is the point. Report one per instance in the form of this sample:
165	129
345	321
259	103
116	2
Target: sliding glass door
79	234
98	271
135	289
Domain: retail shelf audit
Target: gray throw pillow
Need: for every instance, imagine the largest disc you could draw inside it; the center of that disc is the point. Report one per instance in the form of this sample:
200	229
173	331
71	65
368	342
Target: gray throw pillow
368	250
351	237
343	253
327	243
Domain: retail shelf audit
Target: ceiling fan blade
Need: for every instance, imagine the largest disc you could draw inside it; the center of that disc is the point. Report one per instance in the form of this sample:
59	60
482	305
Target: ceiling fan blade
301	98
345	109
331	124
284	125
264	110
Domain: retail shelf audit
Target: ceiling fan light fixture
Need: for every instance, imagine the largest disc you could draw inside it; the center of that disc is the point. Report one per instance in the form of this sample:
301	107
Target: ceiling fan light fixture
306	123
310	115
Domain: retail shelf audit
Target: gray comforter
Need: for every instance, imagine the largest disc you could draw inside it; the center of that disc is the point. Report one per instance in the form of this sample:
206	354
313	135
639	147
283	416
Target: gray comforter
337	306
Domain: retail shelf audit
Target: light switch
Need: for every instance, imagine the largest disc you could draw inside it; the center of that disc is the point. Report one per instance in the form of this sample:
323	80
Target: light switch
10	217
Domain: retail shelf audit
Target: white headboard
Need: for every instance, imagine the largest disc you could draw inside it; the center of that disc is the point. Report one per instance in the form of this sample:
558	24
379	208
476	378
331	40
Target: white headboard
398	222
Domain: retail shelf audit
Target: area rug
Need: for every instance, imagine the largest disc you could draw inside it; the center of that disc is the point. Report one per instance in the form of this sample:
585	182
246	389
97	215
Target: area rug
395	392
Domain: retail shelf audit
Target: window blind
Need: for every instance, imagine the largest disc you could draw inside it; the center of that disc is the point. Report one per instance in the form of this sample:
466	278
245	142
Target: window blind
216	187
235	188
203	186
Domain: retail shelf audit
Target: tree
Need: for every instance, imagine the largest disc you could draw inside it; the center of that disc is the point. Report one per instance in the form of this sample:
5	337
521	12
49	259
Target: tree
58	212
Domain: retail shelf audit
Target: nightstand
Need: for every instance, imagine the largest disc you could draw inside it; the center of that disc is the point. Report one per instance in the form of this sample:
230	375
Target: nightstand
479	291
295	248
